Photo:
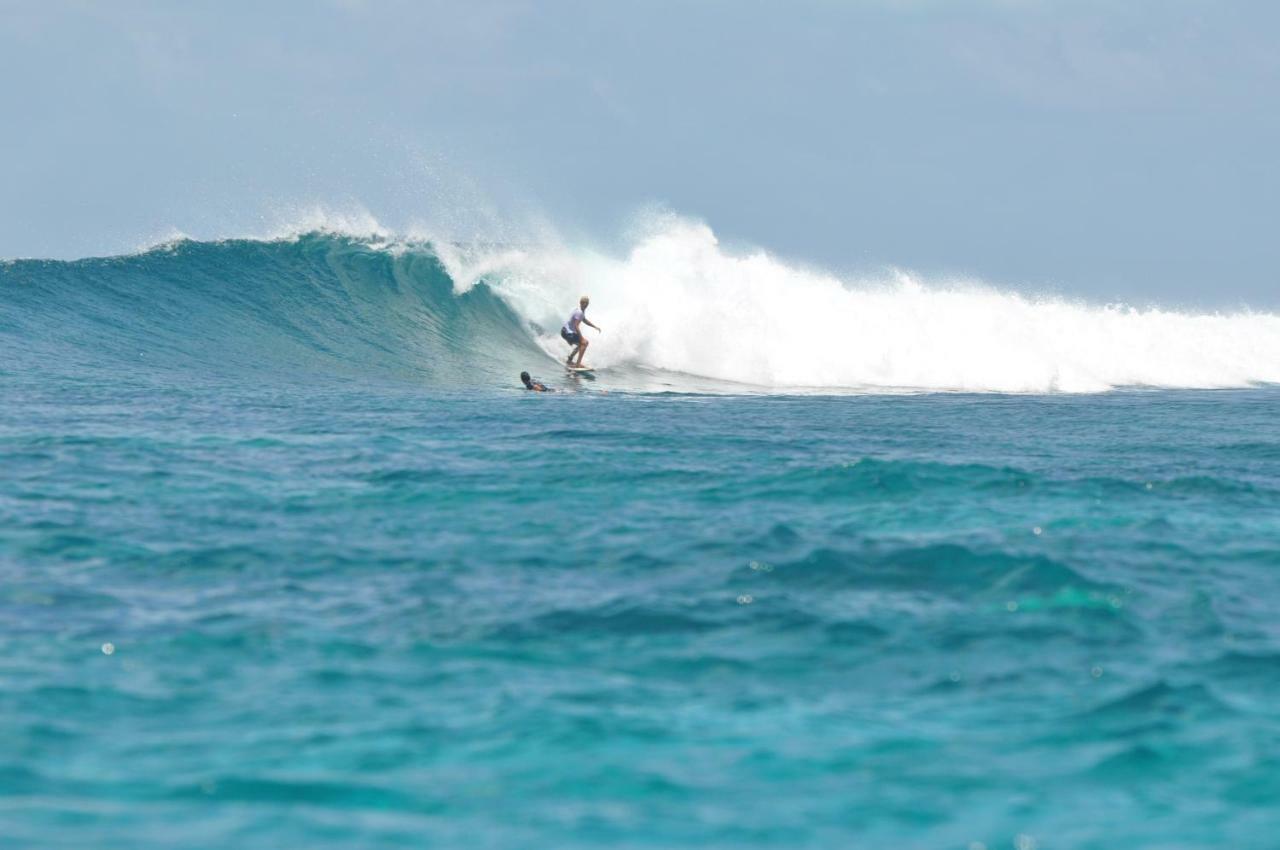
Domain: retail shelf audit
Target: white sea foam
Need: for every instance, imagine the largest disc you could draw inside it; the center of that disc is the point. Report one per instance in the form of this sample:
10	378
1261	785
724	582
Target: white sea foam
678	301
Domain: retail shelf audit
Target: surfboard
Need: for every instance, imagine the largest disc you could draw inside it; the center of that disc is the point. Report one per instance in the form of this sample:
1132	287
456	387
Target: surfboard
581	370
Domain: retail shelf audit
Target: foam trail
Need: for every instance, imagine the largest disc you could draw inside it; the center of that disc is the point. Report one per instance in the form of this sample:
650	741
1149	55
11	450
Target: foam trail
679	302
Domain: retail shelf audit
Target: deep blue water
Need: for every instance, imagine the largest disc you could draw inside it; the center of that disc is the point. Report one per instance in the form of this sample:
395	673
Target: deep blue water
272	575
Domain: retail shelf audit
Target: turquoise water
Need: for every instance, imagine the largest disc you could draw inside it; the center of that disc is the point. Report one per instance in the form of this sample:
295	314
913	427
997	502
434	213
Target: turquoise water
285	561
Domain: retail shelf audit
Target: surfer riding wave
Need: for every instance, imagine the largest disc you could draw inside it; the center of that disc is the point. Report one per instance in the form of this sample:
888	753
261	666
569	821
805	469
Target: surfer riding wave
572	333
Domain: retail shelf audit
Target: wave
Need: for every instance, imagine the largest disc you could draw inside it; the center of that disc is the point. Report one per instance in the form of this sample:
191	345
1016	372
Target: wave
678	311
317	303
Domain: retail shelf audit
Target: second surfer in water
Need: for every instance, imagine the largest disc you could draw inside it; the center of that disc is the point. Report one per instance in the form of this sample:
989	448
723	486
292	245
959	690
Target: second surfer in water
531	384
572	333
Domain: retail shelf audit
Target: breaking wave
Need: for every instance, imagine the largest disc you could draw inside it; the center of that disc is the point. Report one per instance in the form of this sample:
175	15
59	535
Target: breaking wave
677	308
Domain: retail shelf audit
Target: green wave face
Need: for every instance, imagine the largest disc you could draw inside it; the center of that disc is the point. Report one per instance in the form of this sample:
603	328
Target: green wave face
284	309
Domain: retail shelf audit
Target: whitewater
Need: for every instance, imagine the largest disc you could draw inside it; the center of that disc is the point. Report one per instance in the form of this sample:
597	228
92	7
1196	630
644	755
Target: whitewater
688	306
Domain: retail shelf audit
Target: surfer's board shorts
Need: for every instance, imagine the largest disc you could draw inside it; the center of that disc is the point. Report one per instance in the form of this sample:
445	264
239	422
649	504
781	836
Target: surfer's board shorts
571	337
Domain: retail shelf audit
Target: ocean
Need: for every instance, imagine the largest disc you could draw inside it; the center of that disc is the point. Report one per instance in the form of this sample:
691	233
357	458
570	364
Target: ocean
288	559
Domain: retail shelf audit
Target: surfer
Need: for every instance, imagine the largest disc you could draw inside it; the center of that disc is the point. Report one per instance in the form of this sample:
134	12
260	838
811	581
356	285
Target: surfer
572	333
531	384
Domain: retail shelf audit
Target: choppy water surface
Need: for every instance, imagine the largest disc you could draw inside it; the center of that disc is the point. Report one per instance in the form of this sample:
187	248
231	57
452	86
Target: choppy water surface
249	602
384	619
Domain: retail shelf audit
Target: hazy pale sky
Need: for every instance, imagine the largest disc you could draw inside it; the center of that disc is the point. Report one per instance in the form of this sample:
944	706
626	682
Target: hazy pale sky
1107	149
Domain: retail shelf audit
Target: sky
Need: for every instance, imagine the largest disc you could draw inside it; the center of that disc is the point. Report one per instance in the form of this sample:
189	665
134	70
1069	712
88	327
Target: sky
1112	151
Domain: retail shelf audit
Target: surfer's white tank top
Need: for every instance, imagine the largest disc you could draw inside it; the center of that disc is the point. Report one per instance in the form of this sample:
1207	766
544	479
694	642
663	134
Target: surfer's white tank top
572	325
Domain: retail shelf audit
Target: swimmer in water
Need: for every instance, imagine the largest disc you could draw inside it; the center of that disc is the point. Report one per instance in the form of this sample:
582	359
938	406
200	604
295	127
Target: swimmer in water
531	384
